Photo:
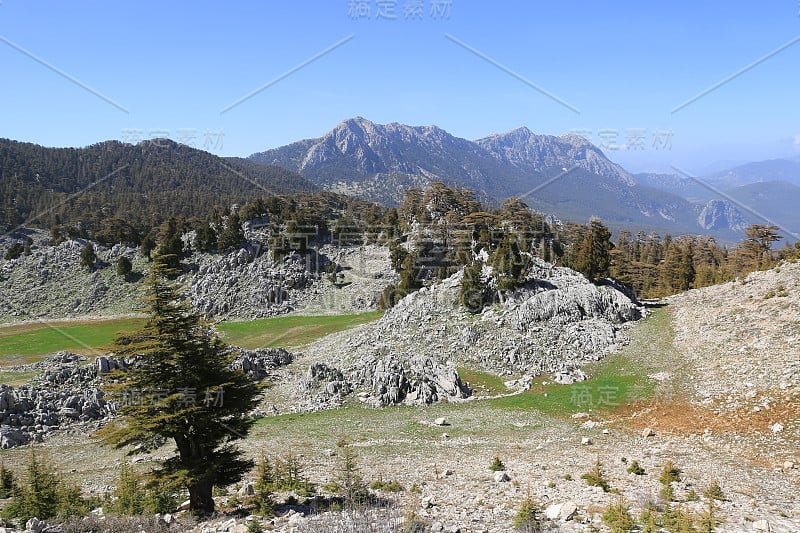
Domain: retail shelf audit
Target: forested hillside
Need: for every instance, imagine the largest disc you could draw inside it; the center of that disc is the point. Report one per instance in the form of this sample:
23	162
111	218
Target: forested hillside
142	184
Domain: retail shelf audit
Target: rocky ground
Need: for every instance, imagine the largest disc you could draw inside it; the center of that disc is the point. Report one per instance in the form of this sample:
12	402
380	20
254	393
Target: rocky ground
243	284
556	323
723	362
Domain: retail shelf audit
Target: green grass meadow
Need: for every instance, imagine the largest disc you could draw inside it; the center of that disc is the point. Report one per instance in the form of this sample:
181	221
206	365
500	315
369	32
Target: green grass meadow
290	331
27	343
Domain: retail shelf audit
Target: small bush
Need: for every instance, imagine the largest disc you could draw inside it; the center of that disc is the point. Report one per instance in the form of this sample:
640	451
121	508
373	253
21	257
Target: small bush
714	492
7	481
635	468
568	477
254	527
264	487
348	482
530	516
692	496
708	521
667	493
497	465
618	518
124	267
649	521
387	486
44	495
669	473
596	477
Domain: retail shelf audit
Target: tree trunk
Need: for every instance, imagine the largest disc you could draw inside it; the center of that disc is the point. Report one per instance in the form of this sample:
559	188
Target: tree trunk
200	497
200	488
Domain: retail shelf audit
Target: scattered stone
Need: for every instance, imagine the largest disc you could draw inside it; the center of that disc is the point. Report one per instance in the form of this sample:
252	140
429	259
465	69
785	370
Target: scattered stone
777	427
586	441
501	477
762	525
561	511
648	432
441	421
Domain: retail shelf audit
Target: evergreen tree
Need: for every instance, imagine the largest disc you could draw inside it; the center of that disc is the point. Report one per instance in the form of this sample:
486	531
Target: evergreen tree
194	397
757	246
264	487
509	264
148	245
88	256
43	495
593	257
232	236
7	481
170	245
14	251
409	276
474	291
124	266
205	238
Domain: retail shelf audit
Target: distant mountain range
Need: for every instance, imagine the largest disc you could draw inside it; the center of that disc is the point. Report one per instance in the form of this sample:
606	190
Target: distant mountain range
565	176
741	195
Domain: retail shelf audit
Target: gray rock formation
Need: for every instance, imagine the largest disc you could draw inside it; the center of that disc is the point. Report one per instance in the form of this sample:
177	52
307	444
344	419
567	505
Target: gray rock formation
261	361
67	391
557	322
247	284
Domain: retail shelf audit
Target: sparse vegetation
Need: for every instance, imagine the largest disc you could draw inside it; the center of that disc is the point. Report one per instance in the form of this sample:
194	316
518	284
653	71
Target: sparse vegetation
347	481
497	465
530	516
618	518
713	491
8	481
387	486
43	494
596	477
635	468
669	473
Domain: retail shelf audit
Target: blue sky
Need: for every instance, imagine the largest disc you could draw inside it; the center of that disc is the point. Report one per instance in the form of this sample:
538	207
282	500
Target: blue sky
625	66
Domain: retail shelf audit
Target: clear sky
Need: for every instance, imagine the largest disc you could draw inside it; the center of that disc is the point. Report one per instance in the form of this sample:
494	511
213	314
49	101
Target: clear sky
75	73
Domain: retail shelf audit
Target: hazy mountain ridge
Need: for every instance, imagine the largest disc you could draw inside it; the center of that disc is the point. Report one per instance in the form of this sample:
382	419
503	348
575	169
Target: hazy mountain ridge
763	192
566	176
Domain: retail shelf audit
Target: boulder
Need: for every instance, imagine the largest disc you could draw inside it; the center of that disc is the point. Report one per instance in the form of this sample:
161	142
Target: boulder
561	511
501	477
762	525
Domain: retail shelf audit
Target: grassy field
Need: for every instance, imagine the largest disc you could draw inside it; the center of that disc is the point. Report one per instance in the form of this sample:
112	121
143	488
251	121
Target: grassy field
16	378
614	381
289	331
27	343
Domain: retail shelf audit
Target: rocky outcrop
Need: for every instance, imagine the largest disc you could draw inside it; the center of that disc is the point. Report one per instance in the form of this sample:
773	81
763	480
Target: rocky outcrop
67	391
248	284
51	283
407	378
260	362
556	323
721	214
